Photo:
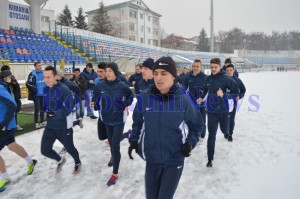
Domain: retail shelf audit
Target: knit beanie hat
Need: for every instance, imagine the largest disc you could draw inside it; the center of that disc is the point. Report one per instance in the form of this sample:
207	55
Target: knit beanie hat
5	67
5	74
59	72
167	64
114	67
148	63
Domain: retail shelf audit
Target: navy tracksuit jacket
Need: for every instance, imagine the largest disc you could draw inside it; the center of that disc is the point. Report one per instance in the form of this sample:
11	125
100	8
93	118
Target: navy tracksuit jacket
111	98
195	86
161	124
218	107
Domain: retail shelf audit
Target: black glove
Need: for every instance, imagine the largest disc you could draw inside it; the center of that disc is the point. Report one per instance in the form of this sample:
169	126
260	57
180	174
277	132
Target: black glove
133	145
186	149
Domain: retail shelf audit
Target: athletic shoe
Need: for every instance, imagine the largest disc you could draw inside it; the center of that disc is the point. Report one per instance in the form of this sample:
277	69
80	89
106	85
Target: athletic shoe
93	117
3	184
43	124
37	125
113	179
77	168
226	136
31	167
230	138
110	163
60	165
19	128
209	163
80	122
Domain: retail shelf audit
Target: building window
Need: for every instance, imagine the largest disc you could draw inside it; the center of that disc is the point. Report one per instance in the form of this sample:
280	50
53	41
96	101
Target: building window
155	20
44	19
149	30
122	27
142	28
155	42
141	16
142	40
155	31
132	14
132	38
149	18
149	41
122	12
131	26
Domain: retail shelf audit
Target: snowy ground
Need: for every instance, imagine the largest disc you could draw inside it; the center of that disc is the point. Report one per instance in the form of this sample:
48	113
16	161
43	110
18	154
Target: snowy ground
262	162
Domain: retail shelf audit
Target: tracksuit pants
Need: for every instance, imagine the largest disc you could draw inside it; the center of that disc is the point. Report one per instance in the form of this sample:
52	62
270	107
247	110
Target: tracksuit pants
232	120
213	120
65	136
203	113
161	180
38	109
114	135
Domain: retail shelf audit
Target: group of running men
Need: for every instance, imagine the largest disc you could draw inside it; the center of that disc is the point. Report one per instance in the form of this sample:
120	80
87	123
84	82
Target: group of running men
169	116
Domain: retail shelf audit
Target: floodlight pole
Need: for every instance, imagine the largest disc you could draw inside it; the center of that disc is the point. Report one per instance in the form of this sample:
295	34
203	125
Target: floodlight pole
212	26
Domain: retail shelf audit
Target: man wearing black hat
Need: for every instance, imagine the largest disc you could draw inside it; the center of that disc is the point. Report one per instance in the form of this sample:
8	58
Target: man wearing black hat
15	89
111	97
147	75
165	129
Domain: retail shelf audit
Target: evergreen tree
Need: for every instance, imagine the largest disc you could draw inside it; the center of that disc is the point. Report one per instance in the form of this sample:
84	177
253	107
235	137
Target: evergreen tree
80	20
203	41
65	18
101	22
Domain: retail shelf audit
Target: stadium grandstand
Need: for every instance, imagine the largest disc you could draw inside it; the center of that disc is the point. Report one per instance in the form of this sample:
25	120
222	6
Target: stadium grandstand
24	42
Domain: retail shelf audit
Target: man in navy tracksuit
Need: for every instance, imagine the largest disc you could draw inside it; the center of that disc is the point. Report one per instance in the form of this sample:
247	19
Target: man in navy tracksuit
228	61
147	74
7	128
90	76
58	104
111	97
75	91
216	85
35	84
166	127
230	72
194	83
136	77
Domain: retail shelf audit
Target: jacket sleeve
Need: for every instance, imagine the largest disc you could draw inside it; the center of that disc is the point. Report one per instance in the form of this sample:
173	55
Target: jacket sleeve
205	89
96	95
76	89
242	89
131	79
233	87
194	122
129	95
30	84
67	95
11	108
137	124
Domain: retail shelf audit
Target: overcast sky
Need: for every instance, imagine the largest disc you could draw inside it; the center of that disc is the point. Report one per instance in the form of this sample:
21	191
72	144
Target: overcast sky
187	17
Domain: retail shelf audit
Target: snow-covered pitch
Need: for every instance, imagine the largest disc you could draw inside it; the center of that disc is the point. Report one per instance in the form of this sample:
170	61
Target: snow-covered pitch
262	162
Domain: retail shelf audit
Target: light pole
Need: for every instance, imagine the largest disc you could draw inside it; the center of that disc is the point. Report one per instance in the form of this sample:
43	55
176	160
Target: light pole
211	25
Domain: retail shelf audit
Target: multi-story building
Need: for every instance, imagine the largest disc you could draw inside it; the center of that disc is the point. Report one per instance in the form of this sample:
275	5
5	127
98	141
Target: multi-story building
133	20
